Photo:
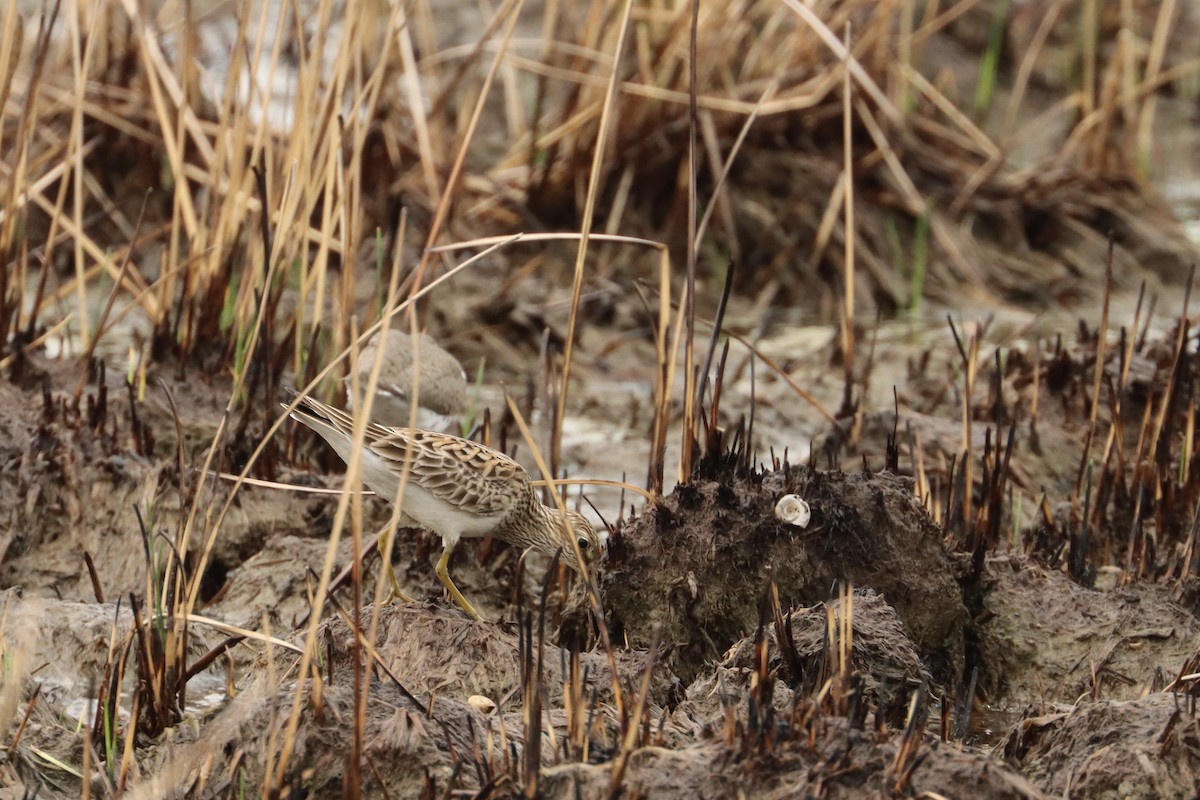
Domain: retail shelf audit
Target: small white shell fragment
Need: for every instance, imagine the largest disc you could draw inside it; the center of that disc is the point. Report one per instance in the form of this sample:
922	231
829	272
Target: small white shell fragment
792	510
484	705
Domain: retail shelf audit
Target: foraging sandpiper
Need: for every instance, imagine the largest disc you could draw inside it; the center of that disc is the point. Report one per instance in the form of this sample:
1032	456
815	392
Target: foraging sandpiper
456	488
441	382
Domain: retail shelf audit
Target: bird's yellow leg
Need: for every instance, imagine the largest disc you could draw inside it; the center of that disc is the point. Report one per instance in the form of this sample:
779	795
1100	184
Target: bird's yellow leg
394	592
443	573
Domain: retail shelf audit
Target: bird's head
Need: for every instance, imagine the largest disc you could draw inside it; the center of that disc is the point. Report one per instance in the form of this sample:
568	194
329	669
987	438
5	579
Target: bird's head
592	545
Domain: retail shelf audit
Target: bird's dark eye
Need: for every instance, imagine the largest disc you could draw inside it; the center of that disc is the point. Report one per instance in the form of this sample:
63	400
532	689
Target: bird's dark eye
583	544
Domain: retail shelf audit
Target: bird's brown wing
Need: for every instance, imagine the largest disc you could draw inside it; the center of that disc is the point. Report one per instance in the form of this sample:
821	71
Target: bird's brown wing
461	472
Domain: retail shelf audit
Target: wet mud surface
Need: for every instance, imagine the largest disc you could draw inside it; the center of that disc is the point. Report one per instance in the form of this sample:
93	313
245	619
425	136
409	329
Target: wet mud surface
859	655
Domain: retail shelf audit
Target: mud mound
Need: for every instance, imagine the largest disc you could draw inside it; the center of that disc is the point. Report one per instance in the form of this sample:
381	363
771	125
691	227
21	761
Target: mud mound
438	651
419	737
66	644
405	748
274	580
886	664
1149	747
68	641
690	574
1048	639
838	762
90	473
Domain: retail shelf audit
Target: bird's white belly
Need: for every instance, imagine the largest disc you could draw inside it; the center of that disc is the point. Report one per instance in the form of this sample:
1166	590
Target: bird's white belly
445	518
423	507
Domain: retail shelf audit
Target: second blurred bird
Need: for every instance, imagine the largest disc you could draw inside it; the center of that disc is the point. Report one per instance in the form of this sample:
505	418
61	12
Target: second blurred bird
441	387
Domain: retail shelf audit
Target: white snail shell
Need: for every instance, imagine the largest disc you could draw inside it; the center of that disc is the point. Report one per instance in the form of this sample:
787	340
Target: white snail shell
484	705
792	510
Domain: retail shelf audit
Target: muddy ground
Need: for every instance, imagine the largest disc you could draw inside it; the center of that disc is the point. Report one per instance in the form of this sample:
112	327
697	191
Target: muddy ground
869	653
891	647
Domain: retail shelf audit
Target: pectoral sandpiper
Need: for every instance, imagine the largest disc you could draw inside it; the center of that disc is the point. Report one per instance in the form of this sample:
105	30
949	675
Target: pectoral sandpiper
456	488
441	383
